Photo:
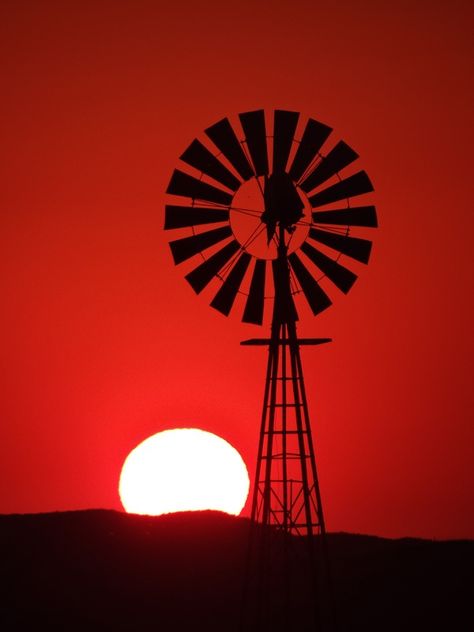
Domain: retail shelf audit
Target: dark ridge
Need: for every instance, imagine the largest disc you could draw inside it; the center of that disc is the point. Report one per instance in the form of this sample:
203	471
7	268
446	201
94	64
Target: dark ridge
106	570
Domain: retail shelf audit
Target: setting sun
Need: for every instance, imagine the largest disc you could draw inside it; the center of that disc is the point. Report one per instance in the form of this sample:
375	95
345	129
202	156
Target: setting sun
184	469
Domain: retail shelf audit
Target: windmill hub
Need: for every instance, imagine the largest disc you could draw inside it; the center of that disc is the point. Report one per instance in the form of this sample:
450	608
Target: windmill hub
283	204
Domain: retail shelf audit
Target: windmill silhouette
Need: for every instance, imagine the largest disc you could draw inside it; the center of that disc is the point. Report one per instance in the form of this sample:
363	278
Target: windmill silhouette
270	218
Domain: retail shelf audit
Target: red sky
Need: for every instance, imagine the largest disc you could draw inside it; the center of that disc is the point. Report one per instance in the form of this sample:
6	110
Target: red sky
104	343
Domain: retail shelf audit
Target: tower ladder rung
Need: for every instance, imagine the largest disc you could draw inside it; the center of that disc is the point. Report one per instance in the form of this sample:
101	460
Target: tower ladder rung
285	432
289	455
292	404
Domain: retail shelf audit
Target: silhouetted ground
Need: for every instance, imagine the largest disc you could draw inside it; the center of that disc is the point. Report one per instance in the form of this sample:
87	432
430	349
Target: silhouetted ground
104	570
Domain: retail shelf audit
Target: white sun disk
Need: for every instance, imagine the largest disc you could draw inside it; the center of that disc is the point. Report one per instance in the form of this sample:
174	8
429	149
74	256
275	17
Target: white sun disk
183	469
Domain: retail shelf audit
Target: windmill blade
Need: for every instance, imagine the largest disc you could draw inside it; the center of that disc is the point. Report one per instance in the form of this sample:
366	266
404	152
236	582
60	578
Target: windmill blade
204	273
313	138
354	247
318	300
185	216
223	137
199	156
253	312
185	248
355	216
357	184
339	157
187	186
225	297
342	278
284	127
253	124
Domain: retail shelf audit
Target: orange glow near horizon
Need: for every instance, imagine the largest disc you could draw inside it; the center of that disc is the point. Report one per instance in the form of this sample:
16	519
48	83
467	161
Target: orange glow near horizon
184	469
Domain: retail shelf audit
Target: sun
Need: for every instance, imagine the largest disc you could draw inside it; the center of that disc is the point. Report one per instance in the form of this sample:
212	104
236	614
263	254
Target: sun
184	469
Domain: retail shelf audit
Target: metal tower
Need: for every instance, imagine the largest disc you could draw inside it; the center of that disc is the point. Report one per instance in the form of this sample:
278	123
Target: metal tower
286	494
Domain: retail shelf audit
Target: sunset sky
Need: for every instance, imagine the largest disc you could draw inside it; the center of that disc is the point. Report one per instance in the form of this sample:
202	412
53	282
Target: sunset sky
103	343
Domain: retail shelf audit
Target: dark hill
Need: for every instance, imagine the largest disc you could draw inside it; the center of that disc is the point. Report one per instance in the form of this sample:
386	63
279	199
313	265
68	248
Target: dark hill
104	570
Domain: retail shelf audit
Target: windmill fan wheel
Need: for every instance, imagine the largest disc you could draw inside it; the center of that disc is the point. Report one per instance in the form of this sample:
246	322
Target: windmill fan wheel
242	184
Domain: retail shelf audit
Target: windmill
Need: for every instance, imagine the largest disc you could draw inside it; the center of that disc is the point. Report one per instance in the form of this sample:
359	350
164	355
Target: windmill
266	231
